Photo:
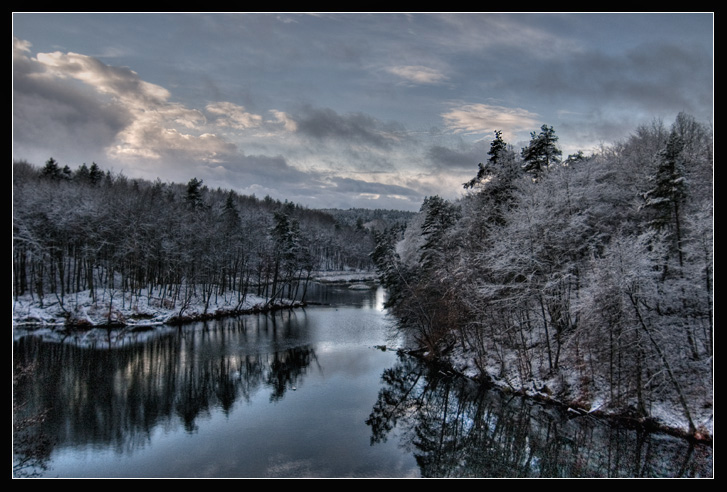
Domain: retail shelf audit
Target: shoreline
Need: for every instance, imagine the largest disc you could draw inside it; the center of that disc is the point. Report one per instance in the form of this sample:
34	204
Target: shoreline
623	418
113	308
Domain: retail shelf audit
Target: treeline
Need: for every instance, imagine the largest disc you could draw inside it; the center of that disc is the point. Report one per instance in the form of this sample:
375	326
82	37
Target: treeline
587	278
92	230
374	219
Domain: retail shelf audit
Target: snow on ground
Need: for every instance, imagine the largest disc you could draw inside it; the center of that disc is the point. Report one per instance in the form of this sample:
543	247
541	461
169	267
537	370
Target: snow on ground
141	309
666	414
344	277
145	308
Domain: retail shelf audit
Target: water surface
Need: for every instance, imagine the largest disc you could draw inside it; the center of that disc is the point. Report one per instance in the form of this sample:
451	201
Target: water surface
302	393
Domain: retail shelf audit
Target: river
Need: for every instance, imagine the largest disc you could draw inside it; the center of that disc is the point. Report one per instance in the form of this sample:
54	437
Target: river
315	392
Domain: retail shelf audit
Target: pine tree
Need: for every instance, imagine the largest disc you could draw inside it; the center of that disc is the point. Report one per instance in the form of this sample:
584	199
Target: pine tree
670	190
542	152
440	217
230	215
95	175
498	147
66	173
194	193
496	181
51	169
82	173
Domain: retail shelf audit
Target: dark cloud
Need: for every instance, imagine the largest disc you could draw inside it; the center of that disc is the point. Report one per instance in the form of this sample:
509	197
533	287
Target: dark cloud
444	158
301	106
273	176
271	171
326	124
650	77
349	185
53	117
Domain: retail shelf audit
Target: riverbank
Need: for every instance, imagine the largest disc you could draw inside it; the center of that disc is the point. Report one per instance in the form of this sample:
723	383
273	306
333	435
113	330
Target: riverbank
345	277
144	308
114	308
665	416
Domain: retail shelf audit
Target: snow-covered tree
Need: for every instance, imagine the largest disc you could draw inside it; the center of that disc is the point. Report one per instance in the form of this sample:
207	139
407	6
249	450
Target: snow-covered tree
591	282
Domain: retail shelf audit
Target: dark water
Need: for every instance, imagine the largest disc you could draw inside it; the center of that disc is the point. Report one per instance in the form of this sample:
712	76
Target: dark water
302	393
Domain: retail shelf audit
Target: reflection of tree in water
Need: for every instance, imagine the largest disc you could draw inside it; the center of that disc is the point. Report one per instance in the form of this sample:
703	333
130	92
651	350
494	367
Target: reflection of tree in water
31	446
286	368
455	428
221	382
399	399
118	395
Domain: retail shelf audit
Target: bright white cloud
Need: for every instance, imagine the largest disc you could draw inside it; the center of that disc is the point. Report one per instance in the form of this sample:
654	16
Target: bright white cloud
119	82
288	123
20	47
473	119
343	95
155	127
234	116
146	138
419	74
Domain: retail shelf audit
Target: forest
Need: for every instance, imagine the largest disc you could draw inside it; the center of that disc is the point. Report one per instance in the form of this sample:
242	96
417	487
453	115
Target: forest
585	279
122	240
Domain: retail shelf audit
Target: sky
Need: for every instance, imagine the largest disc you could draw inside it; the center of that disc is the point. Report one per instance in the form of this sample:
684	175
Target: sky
342	110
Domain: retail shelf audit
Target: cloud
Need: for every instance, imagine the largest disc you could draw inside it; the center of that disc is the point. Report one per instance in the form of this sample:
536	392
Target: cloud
285	119
653	77
418	74
464	158
54	116
118	82
136	124
234	116
357	186
326	124
504	34
274	176
474	119
270	171
344	192
72	97
355	96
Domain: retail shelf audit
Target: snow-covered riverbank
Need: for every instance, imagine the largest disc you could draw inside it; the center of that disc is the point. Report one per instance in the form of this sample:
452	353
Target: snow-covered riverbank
143	308
345	277
114	308
665	415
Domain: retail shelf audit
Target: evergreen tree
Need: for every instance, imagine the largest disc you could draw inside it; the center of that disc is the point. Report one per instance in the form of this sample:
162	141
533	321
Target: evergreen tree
95	175
497	151
230	215
66	173
496	181
51	169
194	193
542	152
670	190
82	173
440	216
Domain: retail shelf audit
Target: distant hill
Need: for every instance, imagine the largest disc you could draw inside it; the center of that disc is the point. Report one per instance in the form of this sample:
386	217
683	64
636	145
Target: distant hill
372	219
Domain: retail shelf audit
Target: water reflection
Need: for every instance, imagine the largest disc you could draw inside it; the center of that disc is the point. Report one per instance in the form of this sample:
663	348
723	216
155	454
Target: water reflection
115	395
302	392
457	429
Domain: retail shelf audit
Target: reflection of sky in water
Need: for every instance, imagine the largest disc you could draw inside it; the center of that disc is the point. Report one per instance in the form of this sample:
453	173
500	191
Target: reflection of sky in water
380	298
289	394
315	427
318	429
